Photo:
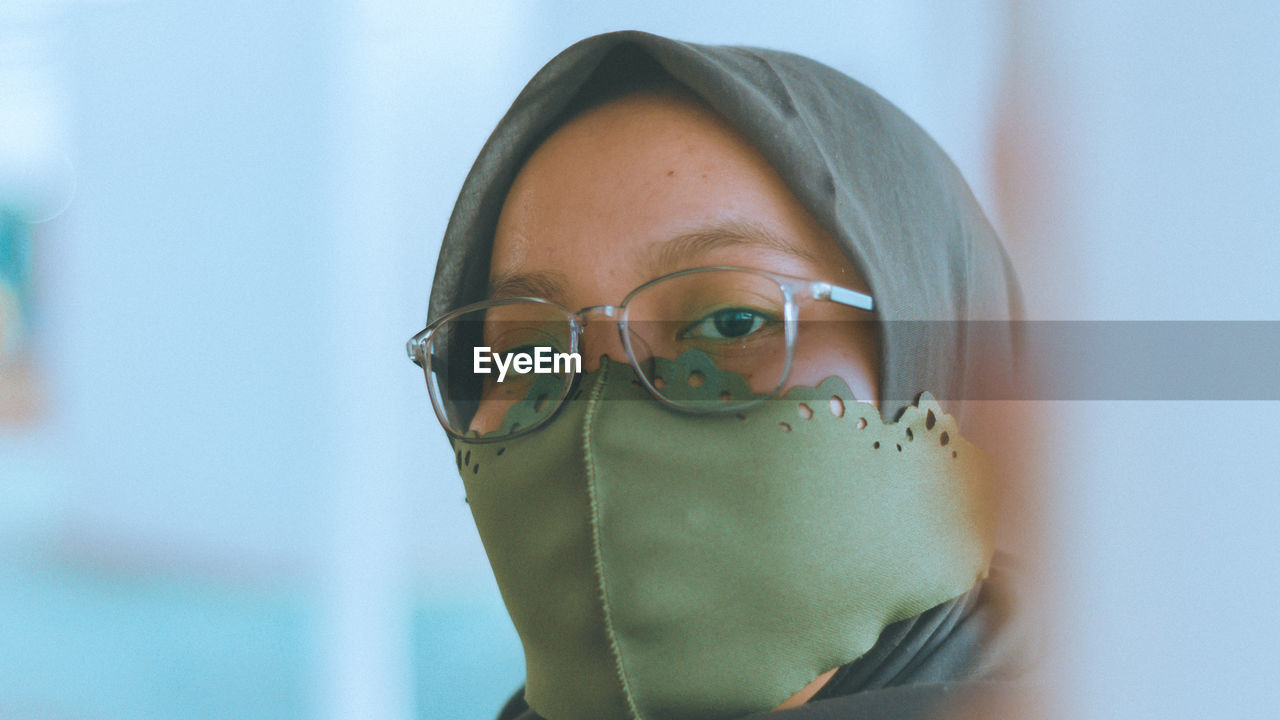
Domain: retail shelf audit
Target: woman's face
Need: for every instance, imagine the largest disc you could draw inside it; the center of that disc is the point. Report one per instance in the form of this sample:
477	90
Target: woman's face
653	183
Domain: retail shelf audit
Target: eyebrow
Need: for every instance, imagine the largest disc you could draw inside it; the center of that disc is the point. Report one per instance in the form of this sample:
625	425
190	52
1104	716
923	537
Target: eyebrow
549	285
667	257
679	250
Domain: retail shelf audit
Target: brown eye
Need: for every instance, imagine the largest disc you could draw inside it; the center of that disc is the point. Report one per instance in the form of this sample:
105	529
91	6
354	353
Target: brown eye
727	324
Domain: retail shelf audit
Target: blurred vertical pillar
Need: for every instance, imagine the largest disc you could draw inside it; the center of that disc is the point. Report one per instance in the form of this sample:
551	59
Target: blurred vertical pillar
417	88
364	624
1025	155
1030	198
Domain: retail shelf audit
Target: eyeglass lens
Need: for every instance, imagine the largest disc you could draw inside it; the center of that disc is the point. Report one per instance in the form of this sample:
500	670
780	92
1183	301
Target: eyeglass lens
702	341
474	391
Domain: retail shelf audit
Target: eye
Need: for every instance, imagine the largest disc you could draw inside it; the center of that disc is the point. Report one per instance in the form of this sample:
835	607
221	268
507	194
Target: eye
727	324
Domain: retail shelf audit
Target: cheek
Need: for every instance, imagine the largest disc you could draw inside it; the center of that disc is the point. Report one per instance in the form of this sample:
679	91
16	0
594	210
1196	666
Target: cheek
827	349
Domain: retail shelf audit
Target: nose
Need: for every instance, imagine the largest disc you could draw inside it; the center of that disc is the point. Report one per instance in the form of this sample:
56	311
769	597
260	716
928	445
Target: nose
600	336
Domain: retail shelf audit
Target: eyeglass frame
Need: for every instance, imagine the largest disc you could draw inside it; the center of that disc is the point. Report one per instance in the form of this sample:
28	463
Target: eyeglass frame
789	284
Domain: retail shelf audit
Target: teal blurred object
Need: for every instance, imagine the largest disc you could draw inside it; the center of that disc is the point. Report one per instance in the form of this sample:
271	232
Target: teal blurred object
15	282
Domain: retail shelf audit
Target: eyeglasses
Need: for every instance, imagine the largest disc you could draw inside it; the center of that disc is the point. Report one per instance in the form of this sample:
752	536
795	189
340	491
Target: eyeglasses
709	339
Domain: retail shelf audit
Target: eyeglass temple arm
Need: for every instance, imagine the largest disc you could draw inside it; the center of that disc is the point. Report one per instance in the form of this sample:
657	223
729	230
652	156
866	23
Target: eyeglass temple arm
844	296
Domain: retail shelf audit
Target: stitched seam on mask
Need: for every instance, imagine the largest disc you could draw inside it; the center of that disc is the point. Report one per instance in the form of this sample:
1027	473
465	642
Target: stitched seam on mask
592	404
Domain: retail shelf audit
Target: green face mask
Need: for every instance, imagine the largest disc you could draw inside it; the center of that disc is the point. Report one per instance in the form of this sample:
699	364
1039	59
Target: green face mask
658	564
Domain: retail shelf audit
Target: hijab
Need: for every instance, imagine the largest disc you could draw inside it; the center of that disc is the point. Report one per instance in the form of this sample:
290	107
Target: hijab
902	214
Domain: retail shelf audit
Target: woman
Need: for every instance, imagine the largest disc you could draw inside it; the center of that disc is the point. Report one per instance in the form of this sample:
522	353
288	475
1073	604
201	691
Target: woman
709	518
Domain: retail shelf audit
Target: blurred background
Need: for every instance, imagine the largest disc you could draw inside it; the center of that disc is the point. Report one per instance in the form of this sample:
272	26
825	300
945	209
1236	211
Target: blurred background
222	490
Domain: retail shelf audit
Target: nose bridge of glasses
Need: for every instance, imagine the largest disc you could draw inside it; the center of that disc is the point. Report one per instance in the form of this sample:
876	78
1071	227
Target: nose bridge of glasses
596	338
609	311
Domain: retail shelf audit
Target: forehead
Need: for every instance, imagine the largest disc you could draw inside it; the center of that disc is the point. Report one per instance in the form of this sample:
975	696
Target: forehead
623	192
